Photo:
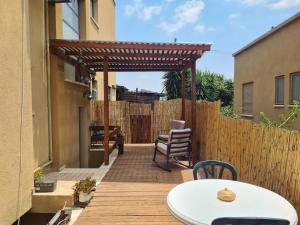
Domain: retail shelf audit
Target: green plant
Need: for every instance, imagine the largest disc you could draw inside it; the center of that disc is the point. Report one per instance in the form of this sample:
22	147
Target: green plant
229	111
283	120
87	186
210	86
39	174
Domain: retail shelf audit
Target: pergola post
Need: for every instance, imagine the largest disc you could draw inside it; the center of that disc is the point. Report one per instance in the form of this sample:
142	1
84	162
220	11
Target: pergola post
106	112
193	112
183	80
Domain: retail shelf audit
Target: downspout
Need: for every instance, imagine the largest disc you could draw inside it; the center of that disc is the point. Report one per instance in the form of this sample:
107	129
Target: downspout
47	59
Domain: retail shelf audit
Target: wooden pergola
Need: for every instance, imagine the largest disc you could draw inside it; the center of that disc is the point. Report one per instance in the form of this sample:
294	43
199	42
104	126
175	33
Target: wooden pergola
93	56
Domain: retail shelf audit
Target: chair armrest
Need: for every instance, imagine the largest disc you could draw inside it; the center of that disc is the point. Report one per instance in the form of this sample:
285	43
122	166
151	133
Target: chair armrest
163	141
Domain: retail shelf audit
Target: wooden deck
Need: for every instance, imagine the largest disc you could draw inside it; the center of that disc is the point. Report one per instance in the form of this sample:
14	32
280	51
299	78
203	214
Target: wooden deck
134	191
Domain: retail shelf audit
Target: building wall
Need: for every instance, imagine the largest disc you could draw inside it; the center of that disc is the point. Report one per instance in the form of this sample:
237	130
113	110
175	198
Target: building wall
15	63
66	99
278	54
39	83
103	29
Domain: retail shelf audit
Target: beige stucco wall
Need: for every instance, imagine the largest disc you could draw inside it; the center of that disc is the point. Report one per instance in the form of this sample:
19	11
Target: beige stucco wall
39	83
278	54
14	63
66	99
103	28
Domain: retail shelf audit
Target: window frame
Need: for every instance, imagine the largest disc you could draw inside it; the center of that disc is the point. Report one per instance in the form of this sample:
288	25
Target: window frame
243	112
94	9
276	79
291	98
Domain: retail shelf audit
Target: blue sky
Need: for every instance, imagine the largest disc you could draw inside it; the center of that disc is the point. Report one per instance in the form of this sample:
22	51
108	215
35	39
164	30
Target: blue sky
227	24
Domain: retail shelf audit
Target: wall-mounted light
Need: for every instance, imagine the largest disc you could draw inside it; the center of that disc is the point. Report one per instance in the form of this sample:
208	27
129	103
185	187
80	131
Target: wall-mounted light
92	75
80	60
180	62
88	94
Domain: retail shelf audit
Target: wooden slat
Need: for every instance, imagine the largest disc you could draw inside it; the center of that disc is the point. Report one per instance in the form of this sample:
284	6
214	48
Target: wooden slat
134	191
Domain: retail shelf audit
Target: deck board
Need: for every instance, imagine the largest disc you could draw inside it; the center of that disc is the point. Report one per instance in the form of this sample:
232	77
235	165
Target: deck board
134	191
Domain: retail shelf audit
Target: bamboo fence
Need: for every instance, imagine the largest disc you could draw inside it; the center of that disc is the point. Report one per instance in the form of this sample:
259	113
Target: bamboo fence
268	157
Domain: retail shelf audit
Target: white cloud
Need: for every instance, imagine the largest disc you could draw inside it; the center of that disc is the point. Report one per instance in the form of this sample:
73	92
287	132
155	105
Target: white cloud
284	4
211	29
186	13
142	11
273	4
253	2
200	28
233	16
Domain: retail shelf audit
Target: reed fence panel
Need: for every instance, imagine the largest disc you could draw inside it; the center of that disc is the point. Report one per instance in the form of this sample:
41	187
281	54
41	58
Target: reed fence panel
268	157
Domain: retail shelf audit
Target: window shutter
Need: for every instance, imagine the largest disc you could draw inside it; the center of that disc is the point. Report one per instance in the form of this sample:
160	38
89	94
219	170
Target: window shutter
247	98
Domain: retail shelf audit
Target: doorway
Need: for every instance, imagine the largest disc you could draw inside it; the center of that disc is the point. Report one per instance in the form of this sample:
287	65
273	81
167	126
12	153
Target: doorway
140	126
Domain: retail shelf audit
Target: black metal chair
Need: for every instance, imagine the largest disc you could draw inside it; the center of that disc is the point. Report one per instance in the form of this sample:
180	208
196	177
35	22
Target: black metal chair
249	221
212	169
178	144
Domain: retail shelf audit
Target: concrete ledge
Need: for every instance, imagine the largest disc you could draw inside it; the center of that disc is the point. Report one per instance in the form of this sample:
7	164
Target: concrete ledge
51	202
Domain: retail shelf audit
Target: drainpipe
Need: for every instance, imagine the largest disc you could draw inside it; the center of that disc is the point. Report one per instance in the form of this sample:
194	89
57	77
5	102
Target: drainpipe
47	60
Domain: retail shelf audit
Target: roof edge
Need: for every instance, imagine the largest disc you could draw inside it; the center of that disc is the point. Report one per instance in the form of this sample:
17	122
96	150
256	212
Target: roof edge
267	34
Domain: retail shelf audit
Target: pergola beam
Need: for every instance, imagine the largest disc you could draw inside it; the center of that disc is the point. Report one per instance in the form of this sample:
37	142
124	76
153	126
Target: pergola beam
183	82
136	61
138	69
193	112
130	55
137	65
131	45
106	113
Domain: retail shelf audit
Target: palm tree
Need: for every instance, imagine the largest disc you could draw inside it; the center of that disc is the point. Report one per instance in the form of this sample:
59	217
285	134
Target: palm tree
209	86
172	84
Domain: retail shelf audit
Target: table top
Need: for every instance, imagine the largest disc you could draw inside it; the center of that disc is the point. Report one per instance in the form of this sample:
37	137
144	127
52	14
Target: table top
196	202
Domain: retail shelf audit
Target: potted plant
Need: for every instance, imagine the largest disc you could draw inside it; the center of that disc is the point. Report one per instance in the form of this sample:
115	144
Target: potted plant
120	140
42	185
84	189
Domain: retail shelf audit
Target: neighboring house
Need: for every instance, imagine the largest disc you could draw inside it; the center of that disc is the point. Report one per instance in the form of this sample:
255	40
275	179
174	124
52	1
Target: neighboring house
142	96
44	103
267	73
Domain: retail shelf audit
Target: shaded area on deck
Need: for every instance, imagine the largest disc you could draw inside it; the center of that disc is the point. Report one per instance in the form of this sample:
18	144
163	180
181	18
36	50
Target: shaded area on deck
134	191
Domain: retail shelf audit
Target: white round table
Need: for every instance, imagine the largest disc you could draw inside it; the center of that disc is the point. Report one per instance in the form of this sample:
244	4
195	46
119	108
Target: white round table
196	202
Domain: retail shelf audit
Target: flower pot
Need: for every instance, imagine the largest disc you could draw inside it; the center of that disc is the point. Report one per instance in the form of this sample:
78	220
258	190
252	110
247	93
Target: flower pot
45	185
84	197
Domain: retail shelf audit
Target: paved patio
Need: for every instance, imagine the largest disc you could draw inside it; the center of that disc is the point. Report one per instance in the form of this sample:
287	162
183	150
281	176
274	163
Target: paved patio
134	191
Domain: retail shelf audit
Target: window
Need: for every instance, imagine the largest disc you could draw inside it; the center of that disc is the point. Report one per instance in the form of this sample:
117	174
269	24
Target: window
295	87
70	31
279	90
247	105
71	20
93	9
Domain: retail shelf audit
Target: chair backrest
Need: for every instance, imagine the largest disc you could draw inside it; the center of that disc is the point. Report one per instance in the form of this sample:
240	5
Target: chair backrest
177	124
212	169
179	140
249	221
